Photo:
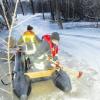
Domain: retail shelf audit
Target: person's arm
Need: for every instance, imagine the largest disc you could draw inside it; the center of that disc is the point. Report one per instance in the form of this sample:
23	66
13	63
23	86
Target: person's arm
56	60
20	41
37	40
42	49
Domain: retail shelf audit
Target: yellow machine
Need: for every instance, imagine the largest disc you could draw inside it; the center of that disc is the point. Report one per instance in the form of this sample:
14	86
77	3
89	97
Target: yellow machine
48	73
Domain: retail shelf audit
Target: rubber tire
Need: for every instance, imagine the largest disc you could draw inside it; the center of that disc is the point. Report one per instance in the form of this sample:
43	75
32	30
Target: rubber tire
62	81
17	88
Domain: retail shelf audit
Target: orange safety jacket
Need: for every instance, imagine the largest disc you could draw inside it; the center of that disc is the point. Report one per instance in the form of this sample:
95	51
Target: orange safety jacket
53	49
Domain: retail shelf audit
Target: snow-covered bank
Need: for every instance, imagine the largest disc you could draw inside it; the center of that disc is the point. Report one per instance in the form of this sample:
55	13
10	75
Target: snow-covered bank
82	43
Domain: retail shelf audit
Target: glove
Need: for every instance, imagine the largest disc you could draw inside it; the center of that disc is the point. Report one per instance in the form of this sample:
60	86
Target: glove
49	57
57	65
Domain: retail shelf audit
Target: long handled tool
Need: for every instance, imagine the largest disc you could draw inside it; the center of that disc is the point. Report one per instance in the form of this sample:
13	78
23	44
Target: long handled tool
48	73
77	74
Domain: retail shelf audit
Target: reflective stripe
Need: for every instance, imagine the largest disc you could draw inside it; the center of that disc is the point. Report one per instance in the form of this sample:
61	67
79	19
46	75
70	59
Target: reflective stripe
31	38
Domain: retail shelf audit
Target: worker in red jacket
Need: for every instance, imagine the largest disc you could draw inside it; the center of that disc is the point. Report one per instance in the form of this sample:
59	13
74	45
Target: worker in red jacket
47	50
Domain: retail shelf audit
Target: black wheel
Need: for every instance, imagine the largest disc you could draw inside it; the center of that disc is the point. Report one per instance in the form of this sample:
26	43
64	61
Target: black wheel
62	81
22	85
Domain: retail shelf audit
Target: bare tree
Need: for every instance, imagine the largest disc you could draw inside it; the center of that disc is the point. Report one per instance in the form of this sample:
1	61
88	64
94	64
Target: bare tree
1	14
12	5
7	11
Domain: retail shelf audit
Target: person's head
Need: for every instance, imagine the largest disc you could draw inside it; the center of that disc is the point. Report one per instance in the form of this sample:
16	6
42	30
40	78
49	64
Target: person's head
55	38
29	28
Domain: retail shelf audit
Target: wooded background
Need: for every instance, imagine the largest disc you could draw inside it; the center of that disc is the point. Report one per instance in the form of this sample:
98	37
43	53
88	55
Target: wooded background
60	10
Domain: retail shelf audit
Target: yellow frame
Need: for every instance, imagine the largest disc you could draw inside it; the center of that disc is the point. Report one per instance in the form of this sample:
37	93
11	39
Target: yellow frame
40	74
48	73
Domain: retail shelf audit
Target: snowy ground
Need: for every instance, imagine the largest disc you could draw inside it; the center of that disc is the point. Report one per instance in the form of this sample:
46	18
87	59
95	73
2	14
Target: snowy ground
79	49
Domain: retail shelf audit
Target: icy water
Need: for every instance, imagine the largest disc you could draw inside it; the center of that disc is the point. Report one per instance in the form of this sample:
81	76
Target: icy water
85	88
45	90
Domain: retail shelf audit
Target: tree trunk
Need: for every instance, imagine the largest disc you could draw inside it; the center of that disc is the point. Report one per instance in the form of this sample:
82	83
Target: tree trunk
42	9
97	23
21	7
12	5
7	11
58	17
51	10
73	8
32	5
